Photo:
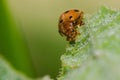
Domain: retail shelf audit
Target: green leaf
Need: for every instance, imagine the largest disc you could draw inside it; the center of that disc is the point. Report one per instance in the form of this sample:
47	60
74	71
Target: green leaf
96	53
12	43
8	73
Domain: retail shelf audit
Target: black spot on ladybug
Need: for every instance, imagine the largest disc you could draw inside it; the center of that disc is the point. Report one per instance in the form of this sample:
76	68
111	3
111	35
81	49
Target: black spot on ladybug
70	17
76	10
66	11
61	21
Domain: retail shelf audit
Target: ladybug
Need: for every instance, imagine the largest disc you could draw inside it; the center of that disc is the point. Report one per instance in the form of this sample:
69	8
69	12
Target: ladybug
68	22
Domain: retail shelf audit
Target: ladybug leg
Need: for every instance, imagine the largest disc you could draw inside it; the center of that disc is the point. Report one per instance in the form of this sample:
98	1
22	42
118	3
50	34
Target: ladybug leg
68	38
60	33
78	33
82	23
72	42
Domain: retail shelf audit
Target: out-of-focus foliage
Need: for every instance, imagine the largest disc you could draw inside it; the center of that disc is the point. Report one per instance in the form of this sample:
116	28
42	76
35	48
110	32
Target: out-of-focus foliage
12	44
8	73
95	55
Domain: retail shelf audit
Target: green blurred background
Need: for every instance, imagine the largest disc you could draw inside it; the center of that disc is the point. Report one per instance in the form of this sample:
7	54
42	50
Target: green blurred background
40	46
